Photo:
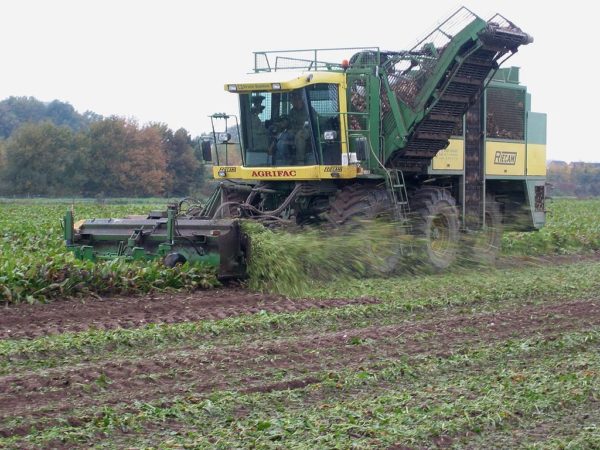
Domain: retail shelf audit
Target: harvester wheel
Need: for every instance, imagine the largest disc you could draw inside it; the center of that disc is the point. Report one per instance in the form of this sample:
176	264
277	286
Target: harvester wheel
357	203
436	223
174	259
484	245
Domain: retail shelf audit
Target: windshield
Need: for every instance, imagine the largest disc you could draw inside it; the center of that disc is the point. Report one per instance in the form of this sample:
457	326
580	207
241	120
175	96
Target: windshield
287	128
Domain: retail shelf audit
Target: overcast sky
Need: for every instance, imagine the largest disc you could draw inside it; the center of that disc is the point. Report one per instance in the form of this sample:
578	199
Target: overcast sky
167	61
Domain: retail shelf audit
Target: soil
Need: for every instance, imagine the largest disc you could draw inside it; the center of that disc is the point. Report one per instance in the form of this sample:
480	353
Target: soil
45	398
72	315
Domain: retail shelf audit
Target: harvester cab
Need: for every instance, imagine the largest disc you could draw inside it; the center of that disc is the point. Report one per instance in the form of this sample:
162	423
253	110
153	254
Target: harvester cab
294	126
436	137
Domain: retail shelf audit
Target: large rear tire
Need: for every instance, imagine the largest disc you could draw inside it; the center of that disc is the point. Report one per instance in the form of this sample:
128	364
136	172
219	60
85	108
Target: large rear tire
436	224
484	245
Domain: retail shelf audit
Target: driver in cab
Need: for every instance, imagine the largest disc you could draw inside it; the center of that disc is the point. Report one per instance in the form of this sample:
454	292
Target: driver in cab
292	145
298	125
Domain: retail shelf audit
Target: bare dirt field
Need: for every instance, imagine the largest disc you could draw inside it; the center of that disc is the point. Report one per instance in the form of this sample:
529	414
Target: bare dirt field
226	367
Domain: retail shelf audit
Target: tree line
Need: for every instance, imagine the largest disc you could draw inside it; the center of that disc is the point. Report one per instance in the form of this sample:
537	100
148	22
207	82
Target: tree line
51	150
17	111
579	179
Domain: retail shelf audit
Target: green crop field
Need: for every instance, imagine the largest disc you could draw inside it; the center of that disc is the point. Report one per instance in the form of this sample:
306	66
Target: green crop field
304	356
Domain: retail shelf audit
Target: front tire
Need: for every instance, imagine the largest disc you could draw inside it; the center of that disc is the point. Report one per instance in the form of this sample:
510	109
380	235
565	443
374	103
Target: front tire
174	259
358	201
356	204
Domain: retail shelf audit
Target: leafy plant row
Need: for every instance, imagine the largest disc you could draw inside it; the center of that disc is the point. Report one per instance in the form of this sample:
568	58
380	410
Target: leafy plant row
34	265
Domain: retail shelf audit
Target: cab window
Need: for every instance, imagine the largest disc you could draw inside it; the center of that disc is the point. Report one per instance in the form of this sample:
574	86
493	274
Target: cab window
324	102
291	128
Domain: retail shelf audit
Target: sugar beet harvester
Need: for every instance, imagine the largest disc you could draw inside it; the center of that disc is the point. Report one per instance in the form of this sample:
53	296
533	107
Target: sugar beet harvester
436	137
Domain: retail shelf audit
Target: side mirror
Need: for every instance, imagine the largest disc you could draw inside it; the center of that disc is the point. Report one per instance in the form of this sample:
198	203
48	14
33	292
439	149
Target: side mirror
206	151
224	137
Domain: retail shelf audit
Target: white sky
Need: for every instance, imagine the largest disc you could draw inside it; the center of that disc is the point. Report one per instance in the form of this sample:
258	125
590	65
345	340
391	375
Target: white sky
167	61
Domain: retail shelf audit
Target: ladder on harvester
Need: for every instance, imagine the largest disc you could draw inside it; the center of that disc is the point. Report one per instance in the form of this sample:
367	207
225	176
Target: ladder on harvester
397	188
401	208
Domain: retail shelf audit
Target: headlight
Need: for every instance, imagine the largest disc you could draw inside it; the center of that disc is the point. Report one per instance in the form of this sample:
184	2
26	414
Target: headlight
232	88
222	173
330	135
276	86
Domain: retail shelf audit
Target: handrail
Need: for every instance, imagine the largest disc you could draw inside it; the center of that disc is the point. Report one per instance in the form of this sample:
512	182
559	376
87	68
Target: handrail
314	58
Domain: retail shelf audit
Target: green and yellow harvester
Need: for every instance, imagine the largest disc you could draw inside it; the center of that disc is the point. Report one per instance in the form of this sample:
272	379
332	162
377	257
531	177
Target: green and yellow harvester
438	138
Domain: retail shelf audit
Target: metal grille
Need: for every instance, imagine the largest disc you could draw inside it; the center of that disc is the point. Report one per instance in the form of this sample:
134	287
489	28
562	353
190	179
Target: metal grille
540	196
474	70
424	148
388	123
409	71
357	104
457	88
433	126
449	108
473	201
506	113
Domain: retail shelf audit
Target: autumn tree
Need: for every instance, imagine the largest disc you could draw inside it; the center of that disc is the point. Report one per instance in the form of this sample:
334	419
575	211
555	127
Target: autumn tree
51	149
124	159
586	177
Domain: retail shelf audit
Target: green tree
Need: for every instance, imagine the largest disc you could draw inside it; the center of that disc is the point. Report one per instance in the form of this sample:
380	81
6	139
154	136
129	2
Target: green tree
17	111
38	160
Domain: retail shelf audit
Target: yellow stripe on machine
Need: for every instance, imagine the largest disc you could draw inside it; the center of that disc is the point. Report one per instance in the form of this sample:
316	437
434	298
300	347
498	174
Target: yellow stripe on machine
288	84
536	159
291	173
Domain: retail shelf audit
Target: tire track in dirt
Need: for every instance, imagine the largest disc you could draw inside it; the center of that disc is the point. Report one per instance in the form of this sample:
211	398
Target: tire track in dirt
251	367
73	315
